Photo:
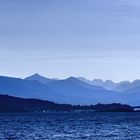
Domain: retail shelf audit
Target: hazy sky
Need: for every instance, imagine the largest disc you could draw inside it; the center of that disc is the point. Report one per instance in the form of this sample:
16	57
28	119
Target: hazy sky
62	38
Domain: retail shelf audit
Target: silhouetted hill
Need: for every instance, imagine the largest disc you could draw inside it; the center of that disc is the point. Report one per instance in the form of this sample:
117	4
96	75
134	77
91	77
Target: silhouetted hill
14	104
113	108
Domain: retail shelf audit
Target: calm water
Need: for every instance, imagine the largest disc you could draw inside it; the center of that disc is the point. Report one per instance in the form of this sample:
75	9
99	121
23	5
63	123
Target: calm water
70	126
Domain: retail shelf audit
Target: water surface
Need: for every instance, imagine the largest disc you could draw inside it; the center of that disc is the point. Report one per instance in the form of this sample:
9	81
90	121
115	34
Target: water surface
70	126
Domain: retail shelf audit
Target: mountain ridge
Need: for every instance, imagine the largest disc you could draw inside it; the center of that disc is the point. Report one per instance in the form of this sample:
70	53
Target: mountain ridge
70	90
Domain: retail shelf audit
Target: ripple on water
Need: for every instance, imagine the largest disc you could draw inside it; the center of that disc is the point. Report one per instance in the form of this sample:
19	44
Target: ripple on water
70	126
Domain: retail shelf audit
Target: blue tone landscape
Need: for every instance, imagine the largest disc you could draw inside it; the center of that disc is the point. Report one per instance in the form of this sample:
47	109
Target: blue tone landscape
69	69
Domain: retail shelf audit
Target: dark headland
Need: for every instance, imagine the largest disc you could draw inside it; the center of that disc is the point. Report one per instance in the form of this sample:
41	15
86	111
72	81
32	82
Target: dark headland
14	104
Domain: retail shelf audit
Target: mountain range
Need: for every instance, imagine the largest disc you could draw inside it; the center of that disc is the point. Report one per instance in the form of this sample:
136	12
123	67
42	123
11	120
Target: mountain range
72	90
107	84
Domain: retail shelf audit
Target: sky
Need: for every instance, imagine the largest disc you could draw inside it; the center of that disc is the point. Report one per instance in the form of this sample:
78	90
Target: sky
62	38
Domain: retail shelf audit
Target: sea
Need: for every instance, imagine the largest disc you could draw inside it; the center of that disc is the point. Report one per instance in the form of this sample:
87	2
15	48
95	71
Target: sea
70	126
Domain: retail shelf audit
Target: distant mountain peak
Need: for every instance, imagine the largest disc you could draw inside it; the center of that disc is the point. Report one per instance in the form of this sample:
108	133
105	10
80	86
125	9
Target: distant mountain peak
109	82
75	80
72	79
37	77
137	81
36	74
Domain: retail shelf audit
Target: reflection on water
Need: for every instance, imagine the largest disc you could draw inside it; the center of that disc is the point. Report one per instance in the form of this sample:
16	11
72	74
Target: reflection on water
70	126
